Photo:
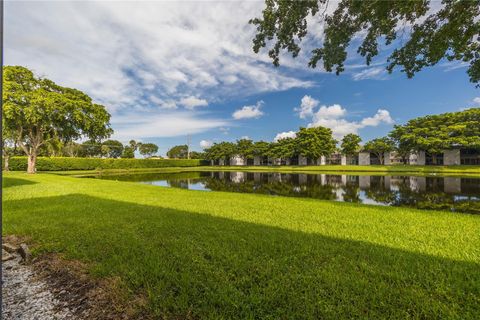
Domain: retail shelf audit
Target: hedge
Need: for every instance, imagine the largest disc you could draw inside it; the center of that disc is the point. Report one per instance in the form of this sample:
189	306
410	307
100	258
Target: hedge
66	163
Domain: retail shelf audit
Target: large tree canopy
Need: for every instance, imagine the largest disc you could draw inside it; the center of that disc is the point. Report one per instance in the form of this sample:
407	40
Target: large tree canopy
37	110
451	32
379	147
315	142
350	144
147	149
435	133
178	152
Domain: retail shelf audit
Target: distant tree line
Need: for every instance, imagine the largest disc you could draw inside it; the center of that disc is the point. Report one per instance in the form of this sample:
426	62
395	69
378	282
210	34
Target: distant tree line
432	134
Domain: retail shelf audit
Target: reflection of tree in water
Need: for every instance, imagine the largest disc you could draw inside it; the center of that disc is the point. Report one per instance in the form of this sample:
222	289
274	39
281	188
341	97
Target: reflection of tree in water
153	176
282	188
351	193
379	192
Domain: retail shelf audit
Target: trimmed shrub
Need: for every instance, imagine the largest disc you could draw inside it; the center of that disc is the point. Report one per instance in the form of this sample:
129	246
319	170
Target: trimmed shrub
69	163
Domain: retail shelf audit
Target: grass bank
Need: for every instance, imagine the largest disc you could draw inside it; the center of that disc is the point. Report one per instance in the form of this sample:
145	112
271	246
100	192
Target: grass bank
472	171
235	256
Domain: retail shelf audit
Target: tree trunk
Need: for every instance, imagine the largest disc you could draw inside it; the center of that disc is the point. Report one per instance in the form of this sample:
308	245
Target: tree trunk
32	161
380	158
6	159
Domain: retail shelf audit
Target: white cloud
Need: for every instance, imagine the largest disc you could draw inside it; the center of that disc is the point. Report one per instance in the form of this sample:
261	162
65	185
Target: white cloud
249	112
330	112
124	52
476	100
167	124
224	130
206	144
193	102
334	117
306	107
283	135
377	73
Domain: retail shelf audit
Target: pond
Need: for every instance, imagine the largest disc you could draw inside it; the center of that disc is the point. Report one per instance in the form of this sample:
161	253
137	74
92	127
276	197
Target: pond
431	192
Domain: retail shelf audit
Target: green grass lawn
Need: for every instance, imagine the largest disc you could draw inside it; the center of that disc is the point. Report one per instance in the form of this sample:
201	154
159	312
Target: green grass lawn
214	255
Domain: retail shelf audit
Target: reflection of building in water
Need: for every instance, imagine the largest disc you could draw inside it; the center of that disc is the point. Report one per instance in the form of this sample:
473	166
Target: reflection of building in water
418	183
452	185
237	177
302	178
364	182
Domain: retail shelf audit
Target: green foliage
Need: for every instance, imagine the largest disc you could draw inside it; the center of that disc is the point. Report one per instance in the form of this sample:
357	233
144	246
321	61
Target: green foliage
451	33
38	111
435	133
128	152
261	148
178	152
315	142
379	147
148	149
111	148
350	144
220	151
197	155
245	148
219	255
70	163
285	148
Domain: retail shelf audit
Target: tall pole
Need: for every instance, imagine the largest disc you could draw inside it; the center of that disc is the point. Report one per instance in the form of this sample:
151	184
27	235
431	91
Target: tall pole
188	146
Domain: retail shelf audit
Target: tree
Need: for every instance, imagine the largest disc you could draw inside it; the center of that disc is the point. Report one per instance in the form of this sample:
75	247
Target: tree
134	145
403	147
451	33
72	149
112	148
8	144
178	152
261	148
315	142
285	148
379	147
38	110
128	152
350	144
148	149
435	133
197	155
223	150
91	148
244	148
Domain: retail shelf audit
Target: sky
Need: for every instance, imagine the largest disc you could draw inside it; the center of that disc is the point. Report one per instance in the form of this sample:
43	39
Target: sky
166	70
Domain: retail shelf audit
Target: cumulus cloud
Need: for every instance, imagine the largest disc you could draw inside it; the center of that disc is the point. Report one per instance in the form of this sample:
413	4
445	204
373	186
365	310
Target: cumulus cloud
283	135
306	107
193	102
476	100
206	144
334	117
249	112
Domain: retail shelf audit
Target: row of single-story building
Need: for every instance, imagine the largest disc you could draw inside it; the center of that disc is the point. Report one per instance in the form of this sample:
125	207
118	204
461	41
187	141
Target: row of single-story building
447	157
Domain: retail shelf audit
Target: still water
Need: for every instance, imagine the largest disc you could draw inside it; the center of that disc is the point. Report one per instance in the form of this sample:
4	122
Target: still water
433	192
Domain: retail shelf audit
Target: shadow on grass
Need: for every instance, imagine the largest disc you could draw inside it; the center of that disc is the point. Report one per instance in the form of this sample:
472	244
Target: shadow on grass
12	182
200	266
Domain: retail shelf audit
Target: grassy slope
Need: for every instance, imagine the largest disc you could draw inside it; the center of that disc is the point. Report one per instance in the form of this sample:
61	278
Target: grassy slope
226	255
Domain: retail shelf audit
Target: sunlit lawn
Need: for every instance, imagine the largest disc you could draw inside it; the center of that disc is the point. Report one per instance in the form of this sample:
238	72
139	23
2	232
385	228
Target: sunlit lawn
243	256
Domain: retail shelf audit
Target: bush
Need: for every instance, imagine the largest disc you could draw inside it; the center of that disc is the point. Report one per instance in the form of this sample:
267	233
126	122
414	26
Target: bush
68	163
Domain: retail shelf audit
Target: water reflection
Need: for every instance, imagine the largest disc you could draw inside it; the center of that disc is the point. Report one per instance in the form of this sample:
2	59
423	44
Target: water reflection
446	193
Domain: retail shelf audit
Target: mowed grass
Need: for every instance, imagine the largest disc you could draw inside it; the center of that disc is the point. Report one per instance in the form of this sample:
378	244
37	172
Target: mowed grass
214	255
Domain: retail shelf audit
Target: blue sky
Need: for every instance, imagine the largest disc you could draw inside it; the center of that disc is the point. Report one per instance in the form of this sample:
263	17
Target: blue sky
168	69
